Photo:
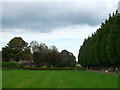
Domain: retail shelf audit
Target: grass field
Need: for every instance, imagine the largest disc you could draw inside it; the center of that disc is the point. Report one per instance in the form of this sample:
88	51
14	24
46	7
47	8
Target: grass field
57	79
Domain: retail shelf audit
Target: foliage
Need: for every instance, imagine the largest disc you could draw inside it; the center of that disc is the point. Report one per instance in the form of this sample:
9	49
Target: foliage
15	50
27	67
54	68
44	56
18	50
10	65
103	47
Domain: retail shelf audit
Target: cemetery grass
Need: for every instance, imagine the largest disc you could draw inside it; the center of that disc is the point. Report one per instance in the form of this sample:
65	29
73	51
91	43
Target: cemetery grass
57	79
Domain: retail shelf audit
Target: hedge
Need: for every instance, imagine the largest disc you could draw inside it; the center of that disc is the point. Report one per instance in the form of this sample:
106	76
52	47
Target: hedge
15	65
53	68
10	65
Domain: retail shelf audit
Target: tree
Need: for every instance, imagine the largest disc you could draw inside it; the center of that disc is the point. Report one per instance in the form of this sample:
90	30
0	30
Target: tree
6	54
14	49
44	56
27	55
102	49
68	59
34	46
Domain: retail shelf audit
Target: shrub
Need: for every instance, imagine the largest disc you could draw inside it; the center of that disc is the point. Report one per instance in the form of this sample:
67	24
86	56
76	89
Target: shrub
26	67
80	68
54	68
10	65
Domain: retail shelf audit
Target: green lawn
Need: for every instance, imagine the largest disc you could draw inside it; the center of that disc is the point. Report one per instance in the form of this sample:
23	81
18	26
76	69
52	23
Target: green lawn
0	79
57	79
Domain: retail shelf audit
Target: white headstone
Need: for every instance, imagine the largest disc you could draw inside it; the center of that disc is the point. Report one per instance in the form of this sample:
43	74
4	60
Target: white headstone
119	7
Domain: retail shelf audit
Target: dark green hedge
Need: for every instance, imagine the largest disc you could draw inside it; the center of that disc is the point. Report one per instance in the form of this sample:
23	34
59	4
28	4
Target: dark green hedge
15	65
10	65
54	68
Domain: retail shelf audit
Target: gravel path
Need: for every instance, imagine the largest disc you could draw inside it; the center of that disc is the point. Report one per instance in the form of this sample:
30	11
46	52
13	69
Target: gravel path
105	72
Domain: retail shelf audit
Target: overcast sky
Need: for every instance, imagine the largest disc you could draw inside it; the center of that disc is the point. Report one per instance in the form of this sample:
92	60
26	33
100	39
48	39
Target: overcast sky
63	24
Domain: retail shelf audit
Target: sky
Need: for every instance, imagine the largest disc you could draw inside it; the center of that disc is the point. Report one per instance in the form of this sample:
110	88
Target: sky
64	24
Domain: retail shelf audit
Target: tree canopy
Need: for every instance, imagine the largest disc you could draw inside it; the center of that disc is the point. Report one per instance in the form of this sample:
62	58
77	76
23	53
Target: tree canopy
103	47
14	49
39	54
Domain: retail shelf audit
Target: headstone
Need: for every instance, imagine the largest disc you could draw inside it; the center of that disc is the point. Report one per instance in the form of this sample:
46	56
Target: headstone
106	70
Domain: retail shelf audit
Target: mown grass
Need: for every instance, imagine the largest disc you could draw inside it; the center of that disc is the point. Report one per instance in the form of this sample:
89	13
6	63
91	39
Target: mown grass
0	79
57	79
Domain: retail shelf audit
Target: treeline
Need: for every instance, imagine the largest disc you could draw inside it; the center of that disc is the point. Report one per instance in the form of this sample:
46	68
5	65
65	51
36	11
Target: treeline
36	55
101	51
51	56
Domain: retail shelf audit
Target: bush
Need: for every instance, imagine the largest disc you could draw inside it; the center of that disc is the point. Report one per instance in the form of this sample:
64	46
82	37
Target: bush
54	68
26	67
10	65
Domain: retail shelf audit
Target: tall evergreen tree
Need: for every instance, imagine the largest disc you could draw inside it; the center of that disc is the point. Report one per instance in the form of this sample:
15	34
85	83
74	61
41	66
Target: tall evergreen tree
102	49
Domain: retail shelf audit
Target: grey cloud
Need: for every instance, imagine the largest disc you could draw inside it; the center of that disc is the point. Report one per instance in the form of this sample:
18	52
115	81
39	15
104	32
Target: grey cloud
119	6
45	17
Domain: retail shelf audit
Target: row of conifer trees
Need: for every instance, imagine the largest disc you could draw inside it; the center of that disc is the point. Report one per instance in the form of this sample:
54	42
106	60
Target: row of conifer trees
101	51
